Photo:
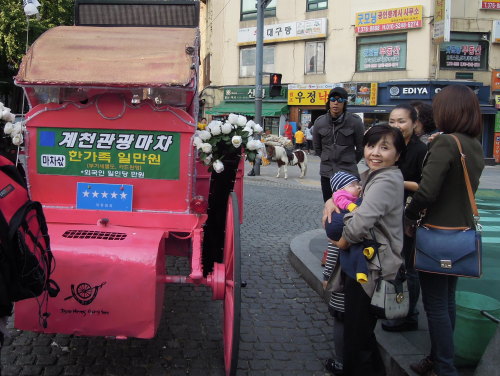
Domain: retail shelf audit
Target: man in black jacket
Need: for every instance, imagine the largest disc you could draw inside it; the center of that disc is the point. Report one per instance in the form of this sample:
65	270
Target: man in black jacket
337	139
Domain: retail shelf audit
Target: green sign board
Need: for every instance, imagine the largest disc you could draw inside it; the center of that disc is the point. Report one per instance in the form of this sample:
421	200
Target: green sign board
497	122
247	93
108	153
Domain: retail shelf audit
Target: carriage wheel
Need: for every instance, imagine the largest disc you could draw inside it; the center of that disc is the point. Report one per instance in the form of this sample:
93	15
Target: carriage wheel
232	296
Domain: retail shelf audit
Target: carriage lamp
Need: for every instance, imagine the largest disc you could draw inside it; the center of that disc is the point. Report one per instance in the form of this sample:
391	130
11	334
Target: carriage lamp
135	99
198	205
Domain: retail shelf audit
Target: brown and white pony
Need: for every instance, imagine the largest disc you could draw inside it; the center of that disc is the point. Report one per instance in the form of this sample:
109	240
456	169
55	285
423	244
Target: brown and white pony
295	158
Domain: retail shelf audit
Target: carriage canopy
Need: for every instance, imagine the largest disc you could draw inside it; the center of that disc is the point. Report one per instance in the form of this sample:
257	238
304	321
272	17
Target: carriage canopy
111	57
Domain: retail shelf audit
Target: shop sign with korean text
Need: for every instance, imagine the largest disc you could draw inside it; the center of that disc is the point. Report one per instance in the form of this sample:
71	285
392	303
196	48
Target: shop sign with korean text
495	4
283	32
466	55
309	94
495	80
382	56
108	153
247	93
495	34
362	94
392	19
442	21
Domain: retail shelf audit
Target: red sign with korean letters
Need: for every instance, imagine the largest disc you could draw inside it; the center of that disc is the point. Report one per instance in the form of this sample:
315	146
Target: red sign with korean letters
490	5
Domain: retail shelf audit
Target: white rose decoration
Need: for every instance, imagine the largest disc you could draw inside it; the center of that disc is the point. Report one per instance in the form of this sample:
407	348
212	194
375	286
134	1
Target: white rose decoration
197	142
215	128
253	144
242	121
205	135
206	148
207	160
12	118
236	141
249	130
218	166
250	123
6	114
17	128
232	118
17	139
257	128
7	129
226	128
1	107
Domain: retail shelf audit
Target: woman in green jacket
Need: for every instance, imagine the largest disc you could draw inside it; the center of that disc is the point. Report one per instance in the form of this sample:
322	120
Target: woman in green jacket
442	199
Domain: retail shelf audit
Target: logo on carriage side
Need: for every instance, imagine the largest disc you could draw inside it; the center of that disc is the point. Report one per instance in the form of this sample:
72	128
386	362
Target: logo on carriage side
84	293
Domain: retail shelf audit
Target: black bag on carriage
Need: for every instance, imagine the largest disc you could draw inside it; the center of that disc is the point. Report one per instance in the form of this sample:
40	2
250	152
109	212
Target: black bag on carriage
26	261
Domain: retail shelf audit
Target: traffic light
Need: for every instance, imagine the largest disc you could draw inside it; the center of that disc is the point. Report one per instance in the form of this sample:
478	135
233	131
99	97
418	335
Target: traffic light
275	84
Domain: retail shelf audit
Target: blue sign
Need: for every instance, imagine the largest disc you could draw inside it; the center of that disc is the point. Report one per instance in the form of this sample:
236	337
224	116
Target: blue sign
397	91
99	196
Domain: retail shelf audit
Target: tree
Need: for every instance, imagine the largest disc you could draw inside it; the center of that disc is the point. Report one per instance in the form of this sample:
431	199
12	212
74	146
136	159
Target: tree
17	31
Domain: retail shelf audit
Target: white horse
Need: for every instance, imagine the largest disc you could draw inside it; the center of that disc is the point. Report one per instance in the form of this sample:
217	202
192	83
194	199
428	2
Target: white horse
284	158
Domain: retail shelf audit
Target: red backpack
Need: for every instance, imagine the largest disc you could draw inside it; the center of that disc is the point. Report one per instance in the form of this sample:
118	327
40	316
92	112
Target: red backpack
26	261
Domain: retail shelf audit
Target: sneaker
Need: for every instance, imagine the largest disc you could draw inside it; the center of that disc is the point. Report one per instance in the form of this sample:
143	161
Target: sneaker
334	367
424	366
323	259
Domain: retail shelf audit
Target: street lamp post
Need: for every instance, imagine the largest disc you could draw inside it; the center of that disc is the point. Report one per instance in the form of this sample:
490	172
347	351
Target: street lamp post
259	53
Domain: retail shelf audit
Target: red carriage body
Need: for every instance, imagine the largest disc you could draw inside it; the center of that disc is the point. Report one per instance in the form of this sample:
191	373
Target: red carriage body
109	154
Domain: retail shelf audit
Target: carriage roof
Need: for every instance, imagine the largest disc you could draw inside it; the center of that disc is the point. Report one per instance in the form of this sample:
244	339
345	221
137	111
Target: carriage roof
111	57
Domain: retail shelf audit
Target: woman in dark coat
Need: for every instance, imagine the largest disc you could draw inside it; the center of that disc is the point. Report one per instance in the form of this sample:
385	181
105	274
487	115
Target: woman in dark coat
442	193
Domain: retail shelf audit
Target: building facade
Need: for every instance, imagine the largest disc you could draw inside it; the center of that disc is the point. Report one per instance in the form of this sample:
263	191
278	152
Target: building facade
383	52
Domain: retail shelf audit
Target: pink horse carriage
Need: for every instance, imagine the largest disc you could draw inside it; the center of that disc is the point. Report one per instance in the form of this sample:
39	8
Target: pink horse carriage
110	155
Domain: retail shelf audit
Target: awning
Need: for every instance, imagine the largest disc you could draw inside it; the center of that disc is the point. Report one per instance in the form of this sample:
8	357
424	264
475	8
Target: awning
248	108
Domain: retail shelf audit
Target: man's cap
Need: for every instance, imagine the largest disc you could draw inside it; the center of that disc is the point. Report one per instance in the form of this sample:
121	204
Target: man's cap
340	179
338	92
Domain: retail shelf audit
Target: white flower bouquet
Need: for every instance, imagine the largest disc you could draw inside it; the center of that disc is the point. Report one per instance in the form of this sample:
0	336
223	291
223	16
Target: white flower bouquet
223	140
11	129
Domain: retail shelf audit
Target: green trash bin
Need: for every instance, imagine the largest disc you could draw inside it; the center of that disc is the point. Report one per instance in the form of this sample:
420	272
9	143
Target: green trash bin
473	331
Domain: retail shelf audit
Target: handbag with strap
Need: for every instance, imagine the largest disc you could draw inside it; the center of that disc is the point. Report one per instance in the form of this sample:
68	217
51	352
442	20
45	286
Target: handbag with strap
391	299
453	251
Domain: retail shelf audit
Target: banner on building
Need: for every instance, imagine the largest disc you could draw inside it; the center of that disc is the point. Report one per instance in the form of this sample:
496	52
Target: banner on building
495	80
359	94
495	32
409	17
495	4
283	32
442	11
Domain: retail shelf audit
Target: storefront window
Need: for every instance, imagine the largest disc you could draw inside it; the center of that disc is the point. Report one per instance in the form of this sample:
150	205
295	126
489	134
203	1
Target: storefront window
316	4
247	61
315	58
249	11
384	52
465	51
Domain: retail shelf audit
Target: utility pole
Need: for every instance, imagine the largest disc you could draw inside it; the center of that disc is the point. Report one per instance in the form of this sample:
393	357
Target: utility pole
259	53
